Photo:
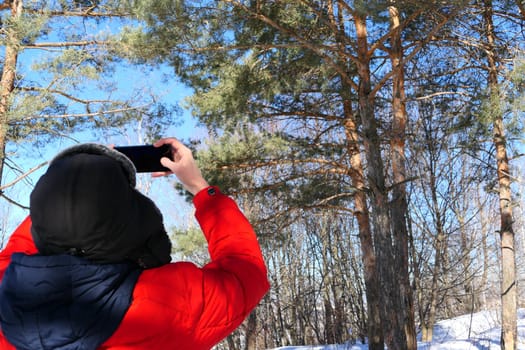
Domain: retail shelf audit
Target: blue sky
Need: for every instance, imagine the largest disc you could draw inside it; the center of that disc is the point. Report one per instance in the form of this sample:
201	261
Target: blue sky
159	80
129	78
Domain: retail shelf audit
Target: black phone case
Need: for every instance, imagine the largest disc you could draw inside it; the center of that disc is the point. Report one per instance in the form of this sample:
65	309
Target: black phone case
146	158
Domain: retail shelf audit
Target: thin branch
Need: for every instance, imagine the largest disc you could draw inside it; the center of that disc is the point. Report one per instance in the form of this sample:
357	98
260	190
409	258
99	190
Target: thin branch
64	94
441	93
287	213
410	179
333	207
13	201
304	42
82	115
21	177
271	163
87	13
380	43
416	49
336	196
517	156
4	5
64	44
218	48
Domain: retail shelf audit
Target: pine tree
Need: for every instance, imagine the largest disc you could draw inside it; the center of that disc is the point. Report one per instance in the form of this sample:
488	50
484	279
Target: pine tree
306	103
57	73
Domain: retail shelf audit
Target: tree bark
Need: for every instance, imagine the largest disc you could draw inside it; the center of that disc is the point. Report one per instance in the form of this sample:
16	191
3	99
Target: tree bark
375	332
436	273
251	331
508	258
361	212
399	206
390	299
8	81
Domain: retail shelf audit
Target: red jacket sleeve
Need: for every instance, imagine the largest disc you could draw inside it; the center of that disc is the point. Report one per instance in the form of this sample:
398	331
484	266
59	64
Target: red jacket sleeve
236	278
183	306
20	241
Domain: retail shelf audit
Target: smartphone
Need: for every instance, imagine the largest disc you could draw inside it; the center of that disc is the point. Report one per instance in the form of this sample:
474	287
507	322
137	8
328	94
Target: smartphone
146	158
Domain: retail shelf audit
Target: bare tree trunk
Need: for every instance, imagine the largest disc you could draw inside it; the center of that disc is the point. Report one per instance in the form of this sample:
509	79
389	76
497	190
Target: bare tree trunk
8	81
508	258
375	332
484	275
251	331
391	304
485	225
399	206
438	243
418	286
279	326
329	336
436	272
469	305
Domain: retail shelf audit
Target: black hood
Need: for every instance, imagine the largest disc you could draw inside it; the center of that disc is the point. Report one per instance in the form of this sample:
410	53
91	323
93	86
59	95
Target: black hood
86	204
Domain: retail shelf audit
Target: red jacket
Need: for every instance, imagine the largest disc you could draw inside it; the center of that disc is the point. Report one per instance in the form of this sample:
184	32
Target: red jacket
180	305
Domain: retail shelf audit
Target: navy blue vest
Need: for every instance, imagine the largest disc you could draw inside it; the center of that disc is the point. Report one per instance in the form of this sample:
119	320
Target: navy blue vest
63	302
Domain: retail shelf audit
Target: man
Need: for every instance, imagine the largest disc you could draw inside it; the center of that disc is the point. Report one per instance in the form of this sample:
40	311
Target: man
89	269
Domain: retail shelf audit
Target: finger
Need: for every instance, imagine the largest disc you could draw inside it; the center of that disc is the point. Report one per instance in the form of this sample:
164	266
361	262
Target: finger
161	173
166	162
160	142
170	141
177	147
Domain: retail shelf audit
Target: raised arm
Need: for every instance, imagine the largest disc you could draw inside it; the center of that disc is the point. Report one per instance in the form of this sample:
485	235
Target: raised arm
237	270
227	289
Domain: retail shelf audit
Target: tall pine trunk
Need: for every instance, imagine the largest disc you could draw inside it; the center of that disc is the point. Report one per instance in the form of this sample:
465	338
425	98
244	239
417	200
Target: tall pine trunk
399	206
8	80
391	304
508	258
374	329
373	317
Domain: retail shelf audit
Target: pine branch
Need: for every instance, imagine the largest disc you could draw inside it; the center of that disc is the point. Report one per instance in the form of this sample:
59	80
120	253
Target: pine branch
415	50
219	48
441	93
64	94
65	44
287	214
271	163
317	48
83	115
88	12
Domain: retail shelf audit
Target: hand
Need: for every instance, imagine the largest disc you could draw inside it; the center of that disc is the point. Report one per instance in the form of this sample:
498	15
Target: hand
182	165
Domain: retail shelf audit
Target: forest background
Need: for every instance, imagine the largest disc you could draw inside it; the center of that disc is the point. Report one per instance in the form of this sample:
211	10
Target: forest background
377	146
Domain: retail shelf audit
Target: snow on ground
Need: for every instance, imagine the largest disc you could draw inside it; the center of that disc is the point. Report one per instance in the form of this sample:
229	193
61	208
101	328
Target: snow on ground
480	331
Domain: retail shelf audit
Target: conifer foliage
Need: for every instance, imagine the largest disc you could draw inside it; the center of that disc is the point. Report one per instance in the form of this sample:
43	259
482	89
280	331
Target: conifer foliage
60	64
320	107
